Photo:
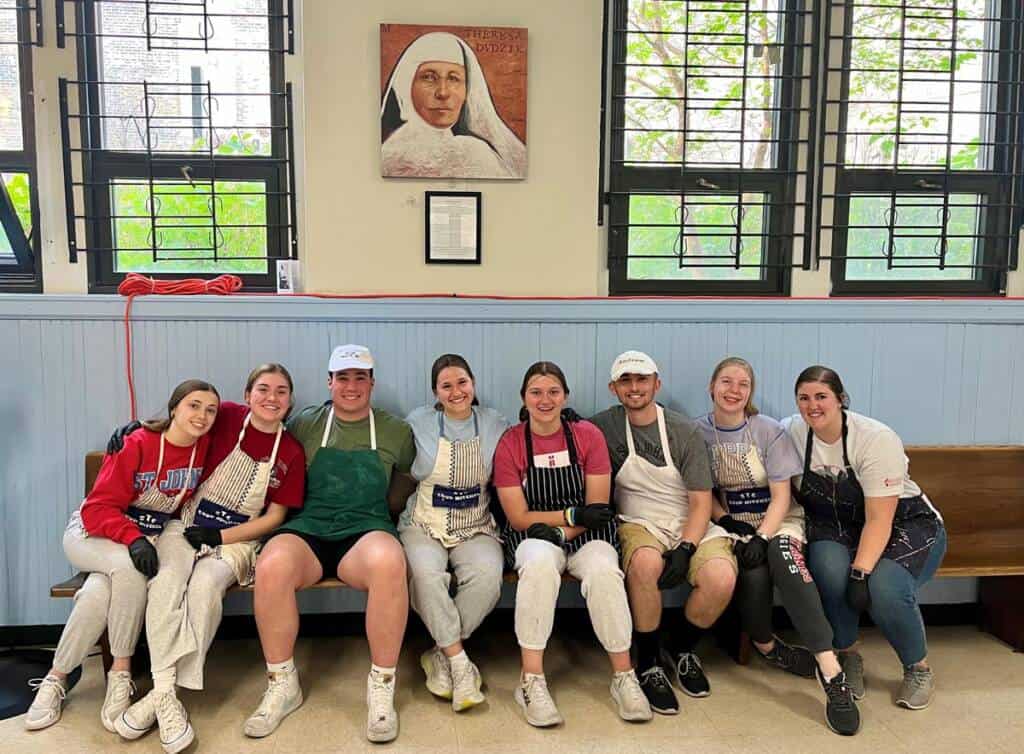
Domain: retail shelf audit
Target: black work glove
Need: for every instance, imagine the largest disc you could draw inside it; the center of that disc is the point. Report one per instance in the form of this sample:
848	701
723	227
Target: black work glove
590	516
551	534
739	528
144	558
116	441
751	554
858	596
198	536
677	564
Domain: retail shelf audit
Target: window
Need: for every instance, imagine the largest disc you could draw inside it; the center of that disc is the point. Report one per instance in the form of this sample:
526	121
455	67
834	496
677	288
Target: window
921	159
19	205
710	149
178	139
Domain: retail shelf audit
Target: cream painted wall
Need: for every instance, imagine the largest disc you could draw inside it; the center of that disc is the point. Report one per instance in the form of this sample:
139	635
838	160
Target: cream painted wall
364	233
360	233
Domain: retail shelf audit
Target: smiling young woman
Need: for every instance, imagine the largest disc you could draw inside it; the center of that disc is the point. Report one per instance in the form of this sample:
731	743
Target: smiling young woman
873	536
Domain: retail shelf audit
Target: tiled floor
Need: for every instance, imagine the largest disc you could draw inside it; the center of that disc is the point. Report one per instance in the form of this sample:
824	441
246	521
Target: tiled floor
979	706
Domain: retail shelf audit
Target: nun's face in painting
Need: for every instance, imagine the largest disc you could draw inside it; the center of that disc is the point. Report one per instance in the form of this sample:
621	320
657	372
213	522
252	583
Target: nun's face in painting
438	92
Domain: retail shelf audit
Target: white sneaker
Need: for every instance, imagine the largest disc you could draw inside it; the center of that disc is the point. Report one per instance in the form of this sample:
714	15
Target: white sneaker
630	701
282	697
381	717
46	707
533	697
439	672
137	720
466	683
119	696
175	730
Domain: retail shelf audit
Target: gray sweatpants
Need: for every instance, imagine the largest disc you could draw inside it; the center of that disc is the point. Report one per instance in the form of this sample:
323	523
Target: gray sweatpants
477	564
113	598
540	565
186	602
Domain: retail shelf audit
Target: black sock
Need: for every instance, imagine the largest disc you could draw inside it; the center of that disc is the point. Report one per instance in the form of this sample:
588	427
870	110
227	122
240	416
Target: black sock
648	645
682	636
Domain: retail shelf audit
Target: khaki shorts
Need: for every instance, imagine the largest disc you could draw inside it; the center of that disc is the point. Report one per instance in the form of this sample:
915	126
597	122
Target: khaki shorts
633	536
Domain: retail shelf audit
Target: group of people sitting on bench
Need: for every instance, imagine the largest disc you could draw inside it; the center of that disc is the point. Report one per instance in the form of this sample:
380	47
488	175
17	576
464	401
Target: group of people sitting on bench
637	500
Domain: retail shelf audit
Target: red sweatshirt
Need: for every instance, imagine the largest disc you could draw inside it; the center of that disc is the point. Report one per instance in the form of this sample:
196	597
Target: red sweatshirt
125	475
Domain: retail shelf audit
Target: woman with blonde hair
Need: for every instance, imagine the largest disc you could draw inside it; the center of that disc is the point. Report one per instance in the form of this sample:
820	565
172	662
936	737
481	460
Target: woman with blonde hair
753	460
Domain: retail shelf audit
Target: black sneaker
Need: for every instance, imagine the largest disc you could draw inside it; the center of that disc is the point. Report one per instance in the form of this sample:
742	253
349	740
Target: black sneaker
796	660
688	673
841	711
658	691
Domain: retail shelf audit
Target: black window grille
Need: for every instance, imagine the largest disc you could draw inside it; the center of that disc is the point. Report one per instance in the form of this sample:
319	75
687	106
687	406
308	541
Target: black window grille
920	187
711	140
21	28
178	138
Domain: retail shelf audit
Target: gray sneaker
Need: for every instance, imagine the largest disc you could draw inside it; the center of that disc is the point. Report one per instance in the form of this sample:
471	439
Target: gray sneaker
137	720
466	685
175	730
118	697
439	672
917	689
630	701
46	707
282	697
534	699
853	666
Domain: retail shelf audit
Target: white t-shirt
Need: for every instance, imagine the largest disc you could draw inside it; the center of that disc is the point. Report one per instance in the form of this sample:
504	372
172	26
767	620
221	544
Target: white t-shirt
875	453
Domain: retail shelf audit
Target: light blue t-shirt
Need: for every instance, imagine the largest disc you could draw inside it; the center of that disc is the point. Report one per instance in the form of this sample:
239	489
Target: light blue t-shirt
778	453
425	429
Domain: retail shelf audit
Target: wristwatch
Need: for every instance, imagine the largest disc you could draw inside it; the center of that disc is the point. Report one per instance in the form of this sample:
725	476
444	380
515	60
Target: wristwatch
858	575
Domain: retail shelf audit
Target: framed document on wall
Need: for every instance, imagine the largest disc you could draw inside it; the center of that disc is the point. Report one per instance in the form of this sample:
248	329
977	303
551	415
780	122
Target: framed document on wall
452	227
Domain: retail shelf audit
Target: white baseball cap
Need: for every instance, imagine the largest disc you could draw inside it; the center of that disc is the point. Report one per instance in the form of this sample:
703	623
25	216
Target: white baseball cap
633	362
350	356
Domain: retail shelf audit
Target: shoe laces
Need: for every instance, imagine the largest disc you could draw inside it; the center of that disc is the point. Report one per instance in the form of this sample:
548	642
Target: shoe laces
274	693
689	665
535	690
655	677
918	678
838	692
462	674
50	686
120	689
629	687
169	712
382	688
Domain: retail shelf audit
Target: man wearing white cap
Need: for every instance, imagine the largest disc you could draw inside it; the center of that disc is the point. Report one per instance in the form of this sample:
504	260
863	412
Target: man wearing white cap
662	485
344	529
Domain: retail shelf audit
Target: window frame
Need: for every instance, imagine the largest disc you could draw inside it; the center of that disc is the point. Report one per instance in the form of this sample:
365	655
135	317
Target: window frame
995	257
100	167
778	183
25	275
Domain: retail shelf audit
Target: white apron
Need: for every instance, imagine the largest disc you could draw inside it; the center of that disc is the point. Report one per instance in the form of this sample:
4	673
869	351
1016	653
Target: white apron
234	493
655	496
151	510
743	482
452	502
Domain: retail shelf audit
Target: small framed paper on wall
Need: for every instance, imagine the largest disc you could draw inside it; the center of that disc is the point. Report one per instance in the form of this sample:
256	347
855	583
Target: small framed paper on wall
452	227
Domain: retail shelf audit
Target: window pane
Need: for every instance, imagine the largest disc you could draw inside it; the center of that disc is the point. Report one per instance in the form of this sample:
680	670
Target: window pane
182	114
695	237
917	222
183	229
17	187
701	82
926	75
10	79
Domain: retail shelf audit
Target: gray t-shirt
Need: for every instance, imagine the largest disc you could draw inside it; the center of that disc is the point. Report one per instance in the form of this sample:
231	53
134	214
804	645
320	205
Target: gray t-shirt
423	421
685	442
775	446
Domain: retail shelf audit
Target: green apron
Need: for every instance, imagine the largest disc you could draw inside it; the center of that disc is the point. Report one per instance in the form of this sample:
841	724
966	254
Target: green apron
346	492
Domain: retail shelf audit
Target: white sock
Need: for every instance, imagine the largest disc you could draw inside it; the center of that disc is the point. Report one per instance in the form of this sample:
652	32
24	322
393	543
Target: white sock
163	680
381	671
288	666
460	659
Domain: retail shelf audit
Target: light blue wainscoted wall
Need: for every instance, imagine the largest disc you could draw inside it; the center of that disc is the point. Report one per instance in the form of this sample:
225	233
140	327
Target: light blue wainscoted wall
938	371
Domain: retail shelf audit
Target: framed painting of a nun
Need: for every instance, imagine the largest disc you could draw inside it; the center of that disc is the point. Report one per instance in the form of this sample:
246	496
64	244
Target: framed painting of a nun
453	102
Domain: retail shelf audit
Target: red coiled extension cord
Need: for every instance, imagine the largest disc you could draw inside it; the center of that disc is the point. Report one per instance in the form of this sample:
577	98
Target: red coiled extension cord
139	285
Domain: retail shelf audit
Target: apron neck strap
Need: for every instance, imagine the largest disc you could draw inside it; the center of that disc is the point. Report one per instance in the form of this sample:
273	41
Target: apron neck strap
570	446
330	423
662	435
277	439
810	446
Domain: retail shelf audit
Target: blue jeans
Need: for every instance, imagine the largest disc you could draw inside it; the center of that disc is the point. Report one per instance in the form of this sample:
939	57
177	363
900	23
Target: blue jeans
893	589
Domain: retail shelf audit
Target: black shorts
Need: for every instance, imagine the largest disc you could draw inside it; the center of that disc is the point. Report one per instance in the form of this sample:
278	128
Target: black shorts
328	551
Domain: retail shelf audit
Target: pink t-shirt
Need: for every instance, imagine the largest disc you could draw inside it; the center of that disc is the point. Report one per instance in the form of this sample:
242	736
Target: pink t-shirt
549	451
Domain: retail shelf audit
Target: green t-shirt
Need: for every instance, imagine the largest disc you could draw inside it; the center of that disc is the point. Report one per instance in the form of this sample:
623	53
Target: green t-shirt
335	515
